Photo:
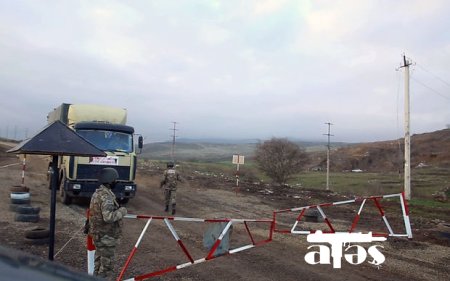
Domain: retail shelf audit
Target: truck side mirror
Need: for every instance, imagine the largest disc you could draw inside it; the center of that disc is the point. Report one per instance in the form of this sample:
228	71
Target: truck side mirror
140	142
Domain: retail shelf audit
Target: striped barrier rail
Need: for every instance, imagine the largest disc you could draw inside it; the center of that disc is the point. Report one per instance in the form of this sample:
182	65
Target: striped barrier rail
362	201
228	223
211	253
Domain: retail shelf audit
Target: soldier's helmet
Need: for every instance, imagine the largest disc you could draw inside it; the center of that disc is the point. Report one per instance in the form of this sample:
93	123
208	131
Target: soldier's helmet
108	175
170	165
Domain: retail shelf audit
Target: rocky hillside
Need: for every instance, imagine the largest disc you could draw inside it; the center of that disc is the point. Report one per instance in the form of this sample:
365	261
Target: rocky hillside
426	149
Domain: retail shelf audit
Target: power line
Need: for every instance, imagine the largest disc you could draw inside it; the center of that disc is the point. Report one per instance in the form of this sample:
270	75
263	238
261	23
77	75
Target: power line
431	89
434	75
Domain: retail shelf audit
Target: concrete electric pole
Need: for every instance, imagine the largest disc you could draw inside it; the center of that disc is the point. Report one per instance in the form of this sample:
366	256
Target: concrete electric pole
328	154
407	183
174	129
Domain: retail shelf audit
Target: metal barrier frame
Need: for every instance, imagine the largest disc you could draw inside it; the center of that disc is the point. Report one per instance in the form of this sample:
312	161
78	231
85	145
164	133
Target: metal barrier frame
272	229
210	254
363	200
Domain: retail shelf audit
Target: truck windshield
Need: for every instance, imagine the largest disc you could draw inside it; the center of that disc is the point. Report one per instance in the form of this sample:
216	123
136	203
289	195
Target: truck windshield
108	140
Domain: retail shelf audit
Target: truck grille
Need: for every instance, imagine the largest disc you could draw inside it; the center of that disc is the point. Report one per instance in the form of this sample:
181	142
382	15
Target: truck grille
90	172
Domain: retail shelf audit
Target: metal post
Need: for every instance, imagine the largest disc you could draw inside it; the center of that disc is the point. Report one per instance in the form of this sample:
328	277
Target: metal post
24	164
237	159
237	175
54	183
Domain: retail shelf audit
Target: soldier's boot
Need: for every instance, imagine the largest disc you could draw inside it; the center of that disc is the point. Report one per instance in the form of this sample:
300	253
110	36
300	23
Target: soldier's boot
173	209
167	208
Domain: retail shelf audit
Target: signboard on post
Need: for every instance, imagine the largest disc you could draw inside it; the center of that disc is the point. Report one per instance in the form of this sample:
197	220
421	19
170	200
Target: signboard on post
238	160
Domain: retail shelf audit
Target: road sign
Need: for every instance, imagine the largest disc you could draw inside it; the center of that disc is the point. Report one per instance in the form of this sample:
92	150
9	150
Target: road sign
238	159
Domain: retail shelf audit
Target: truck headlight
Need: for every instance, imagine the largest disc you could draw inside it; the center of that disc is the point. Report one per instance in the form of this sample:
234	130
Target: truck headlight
77	186
128	187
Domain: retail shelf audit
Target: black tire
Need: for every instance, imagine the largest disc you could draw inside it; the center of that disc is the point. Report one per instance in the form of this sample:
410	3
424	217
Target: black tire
27	217
65	198
14	207
20	201
37	233
124	201
37	241
27	209
19	188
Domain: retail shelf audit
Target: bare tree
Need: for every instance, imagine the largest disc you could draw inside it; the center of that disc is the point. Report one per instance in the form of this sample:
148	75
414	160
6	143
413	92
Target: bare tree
280	158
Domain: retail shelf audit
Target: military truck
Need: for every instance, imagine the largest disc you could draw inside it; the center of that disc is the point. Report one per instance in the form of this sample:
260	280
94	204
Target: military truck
105	127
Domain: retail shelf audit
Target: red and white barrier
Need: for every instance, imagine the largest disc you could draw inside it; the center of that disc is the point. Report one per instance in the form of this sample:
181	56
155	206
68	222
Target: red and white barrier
90	251
375	199
90	254
273	228
210	255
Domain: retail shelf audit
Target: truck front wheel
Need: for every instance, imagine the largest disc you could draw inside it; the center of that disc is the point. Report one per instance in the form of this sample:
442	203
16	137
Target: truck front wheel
65	198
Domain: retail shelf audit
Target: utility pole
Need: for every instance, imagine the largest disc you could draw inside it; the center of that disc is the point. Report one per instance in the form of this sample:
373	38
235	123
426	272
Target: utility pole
174	129
407	183
328	154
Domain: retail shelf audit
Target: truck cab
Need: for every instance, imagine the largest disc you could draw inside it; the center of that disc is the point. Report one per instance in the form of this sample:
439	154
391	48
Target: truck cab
105	127
79	174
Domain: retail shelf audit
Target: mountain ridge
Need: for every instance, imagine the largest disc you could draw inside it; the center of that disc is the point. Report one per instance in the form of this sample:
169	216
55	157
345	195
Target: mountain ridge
431	148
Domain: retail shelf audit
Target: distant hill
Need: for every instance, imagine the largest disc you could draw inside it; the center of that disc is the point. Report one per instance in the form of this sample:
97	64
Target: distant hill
196	151
426	149
214	149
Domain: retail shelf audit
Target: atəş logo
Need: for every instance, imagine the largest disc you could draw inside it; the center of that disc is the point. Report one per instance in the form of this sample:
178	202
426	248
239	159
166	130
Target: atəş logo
337	241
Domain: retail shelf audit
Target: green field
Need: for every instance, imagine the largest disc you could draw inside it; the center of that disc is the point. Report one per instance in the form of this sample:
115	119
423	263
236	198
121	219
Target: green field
424	181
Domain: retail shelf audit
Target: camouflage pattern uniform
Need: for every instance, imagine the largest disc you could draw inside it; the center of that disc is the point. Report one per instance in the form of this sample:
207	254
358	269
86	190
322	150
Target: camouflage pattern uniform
169	182
105	221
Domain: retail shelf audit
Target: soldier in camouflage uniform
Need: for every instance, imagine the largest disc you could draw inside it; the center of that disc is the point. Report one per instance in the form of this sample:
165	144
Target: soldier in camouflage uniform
169	182
105	221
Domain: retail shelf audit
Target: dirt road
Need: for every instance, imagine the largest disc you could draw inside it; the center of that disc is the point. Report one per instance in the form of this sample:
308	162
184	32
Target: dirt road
281	259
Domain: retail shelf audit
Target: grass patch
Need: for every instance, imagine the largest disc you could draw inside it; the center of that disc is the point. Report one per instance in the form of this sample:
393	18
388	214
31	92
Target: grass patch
430	203
424	181
356	183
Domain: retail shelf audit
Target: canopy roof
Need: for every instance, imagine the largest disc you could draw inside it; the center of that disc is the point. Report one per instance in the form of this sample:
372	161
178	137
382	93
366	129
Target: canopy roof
57	139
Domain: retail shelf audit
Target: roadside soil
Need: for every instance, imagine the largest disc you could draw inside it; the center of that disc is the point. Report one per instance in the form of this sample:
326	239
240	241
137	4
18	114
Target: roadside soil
425	257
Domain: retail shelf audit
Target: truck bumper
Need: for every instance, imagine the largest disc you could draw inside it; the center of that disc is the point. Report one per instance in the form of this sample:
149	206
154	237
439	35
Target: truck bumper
122	190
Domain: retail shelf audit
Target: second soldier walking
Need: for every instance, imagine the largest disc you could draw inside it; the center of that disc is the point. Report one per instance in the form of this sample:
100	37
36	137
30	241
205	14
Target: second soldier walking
169	181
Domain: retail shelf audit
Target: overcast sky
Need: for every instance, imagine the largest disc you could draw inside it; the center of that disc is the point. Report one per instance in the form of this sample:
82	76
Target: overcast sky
229	69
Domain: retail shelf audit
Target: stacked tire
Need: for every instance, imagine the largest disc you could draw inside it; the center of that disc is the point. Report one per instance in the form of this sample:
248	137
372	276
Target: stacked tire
37	236
20	203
